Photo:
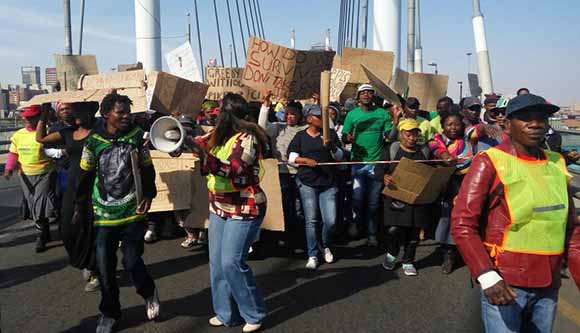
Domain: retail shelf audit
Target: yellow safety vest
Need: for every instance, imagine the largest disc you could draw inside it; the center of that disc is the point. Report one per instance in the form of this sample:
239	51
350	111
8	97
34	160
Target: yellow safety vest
219	184
30	153
537	198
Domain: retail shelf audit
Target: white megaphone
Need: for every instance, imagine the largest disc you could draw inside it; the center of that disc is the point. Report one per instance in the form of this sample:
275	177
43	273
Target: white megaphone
167	134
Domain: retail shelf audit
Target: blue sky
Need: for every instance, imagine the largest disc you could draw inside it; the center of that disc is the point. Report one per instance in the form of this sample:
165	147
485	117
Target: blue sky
532	43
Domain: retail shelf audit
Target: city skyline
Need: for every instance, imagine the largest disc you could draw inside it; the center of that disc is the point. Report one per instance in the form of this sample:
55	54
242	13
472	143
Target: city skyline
529	45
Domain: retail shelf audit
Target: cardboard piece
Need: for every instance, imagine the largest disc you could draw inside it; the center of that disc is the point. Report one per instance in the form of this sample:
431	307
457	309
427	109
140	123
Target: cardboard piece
418	183
379	62
338	80
428	88
228	80
174	180
400	82
182	63
289	73
274	219
69	69
382	88
157	91
474	87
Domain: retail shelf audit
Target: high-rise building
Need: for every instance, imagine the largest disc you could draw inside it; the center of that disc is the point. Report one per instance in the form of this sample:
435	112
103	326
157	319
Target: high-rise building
50	77
30	75
4	102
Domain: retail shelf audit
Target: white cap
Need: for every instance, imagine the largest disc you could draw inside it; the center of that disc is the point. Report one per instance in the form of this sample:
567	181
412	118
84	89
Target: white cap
365	86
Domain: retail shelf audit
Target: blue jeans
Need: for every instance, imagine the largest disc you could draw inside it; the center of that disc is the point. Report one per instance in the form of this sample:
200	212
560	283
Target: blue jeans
233	287
106	243
533	311
366	190
313	200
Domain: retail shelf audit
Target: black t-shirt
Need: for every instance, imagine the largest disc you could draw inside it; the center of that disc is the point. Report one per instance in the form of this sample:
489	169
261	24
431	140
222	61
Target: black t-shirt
312	147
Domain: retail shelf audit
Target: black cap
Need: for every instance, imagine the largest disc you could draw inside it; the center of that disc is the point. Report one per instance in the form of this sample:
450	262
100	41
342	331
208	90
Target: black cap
529	102
471	101
413	103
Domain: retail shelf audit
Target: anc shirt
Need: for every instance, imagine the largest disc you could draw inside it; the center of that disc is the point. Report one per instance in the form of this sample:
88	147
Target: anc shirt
368	128
114	192
30	153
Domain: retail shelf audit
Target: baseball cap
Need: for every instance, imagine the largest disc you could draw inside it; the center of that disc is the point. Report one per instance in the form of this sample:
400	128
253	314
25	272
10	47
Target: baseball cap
413	103
471	101
312	110
408	125
365	86
529	102
493	98
502	102
335	106
31	111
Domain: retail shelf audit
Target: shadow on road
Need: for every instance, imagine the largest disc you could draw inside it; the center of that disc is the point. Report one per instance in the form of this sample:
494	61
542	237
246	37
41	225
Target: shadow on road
282	306
17	275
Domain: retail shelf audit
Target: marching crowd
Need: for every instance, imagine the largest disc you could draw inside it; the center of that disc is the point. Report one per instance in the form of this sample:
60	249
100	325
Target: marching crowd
505	211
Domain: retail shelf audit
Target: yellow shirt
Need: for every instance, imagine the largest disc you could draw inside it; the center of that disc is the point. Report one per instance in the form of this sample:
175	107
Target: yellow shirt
30	153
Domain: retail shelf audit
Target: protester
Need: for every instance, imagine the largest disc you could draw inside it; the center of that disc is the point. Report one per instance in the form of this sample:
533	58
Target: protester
515	222
77	237
37	177
365	127
119	203
317	184
456	145
403	221
489	103
231	157
472	113
442	105
411	111
209	112
335	118
281	134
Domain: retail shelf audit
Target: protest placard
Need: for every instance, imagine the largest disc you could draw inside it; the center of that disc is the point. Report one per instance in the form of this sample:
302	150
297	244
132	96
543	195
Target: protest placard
418	183
223	80
379	62
174	180
69	69
338	80
428	88
182	63
382	89
289	73
400	82
474	87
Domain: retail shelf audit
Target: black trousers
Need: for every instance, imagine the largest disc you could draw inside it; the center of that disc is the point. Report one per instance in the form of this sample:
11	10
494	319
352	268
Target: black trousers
293	223
407	237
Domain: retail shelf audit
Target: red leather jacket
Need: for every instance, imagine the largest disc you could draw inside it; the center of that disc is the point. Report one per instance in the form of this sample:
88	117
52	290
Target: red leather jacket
481	214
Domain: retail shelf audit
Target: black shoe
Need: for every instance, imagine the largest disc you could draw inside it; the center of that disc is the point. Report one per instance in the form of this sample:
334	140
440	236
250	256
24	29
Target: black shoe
40	244
448	262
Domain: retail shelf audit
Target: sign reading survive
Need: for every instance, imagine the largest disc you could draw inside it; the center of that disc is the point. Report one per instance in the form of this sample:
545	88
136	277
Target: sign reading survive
286	72
228	80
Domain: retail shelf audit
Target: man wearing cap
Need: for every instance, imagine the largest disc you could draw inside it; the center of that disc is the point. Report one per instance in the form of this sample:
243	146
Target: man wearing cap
411	111
38	174
516	194
442	105
365	127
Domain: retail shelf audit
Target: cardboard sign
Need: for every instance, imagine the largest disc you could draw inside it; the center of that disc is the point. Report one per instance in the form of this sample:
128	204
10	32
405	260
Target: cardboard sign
379	62
288	73
228	80
174	180
400	82
428	88
174	94
474	87
382	88
69	69
274	219
418	183
338	80
182	63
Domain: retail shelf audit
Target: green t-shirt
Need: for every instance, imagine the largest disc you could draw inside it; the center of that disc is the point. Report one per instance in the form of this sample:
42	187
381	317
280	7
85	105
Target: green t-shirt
368	128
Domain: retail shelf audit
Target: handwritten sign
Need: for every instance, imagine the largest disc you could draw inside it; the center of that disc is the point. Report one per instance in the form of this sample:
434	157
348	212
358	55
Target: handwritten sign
428	88
228	80
182	63
69	69
338	80
288	73
174	180
379	62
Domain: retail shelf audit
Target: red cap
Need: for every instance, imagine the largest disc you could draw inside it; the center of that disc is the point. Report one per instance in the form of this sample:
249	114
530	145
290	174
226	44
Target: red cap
31	111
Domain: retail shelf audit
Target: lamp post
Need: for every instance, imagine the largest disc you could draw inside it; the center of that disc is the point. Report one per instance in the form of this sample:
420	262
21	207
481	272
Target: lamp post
434	64
460	83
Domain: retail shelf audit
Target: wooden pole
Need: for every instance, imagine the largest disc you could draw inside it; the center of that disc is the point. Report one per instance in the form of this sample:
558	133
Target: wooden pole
324	101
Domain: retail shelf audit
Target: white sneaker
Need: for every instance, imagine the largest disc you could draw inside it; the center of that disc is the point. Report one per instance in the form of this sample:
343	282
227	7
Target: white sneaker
312	263
152	305
215	322
328	257
150	236
251	327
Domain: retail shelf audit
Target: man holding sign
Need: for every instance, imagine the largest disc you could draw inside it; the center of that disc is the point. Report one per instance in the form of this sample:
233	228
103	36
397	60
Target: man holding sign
365	127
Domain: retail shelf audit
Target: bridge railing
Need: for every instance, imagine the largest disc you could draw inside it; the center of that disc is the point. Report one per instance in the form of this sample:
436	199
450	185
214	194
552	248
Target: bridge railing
5	134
